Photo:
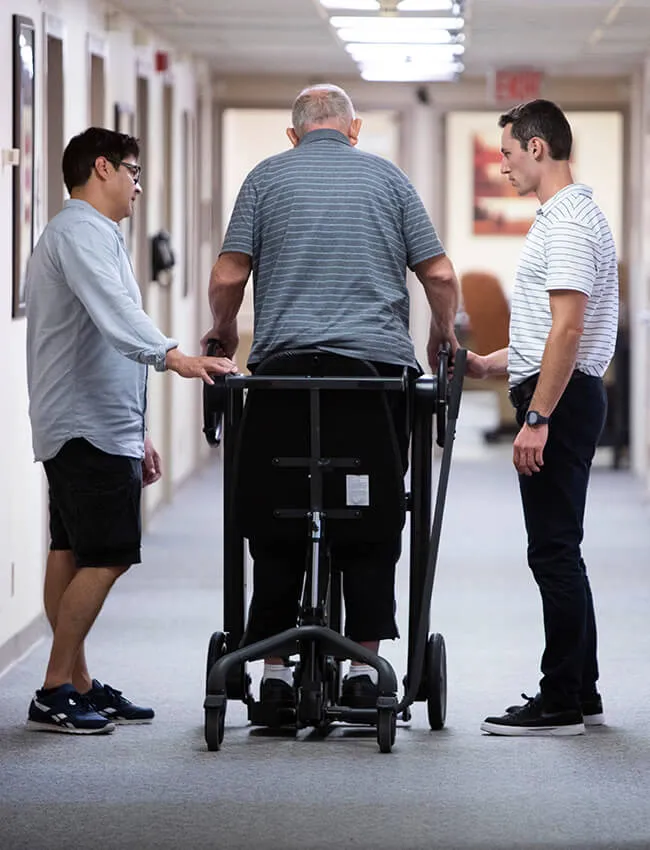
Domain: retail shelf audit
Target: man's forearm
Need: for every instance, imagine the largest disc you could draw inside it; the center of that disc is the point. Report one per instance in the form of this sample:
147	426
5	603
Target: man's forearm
225	301
226	291
558	364
496	363
225	304
442	295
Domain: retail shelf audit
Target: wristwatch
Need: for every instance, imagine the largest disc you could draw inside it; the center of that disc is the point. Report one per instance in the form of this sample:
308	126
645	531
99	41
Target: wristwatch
534	418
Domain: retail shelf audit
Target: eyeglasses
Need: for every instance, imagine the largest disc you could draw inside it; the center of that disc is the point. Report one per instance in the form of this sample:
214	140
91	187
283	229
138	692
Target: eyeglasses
135	170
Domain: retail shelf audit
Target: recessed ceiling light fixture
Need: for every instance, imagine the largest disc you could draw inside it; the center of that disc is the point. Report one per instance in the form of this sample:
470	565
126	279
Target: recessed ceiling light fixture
352	5
400	24
401	40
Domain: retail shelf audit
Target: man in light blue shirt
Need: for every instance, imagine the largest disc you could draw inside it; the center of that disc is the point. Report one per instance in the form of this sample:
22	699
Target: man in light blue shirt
89	343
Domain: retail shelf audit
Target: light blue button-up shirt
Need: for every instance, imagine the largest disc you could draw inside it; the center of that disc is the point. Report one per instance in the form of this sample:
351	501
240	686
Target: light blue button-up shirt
88	339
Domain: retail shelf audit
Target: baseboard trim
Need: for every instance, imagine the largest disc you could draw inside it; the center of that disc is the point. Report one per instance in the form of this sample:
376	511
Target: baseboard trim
22	643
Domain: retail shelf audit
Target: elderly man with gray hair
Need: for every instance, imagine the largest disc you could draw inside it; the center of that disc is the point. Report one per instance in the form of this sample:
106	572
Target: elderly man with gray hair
329	232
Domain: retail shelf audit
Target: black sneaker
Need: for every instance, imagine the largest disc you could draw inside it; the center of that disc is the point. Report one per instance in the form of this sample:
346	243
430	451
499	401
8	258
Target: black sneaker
531	719
111	704
62	709
359	692
591	707
277	694
592	710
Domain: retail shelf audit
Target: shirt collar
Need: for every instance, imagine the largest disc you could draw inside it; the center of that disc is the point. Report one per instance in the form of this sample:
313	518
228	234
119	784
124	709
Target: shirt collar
320	135
572	188
89	208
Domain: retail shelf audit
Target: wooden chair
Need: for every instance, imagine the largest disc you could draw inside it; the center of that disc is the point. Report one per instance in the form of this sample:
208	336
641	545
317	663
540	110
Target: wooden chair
488	312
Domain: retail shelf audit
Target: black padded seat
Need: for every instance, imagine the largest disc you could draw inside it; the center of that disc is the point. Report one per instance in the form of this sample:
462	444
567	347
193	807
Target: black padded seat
356	424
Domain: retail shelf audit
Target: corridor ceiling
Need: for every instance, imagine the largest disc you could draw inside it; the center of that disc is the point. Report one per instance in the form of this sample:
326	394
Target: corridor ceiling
287	37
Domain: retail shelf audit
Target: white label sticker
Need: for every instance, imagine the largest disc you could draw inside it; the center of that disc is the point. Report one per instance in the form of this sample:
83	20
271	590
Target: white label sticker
357	490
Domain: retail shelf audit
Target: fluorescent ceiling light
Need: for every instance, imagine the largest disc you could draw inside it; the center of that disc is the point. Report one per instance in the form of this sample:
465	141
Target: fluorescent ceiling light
425	5
352	5
397	24
370	36
389	75
405	52
411	71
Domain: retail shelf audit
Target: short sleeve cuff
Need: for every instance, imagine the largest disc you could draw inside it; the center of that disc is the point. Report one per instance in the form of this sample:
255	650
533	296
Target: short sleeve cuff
232	246
571	286
428	254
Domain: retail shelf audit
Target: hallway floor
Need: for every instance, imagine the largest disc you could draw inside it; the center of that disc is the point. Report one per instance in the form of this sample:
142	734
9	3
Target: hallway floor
158	787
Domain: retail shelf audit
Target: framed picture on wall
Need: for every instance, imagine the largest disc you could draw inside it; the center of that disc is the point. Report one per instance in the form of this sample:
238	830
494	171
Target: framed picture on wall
484	229
499	210
23	141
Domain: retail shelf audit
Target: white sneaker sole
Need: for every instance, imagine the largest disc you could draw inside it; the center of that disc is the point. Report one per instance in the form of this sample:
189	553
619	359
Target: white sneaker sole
35	726
533	731
121	722
594	719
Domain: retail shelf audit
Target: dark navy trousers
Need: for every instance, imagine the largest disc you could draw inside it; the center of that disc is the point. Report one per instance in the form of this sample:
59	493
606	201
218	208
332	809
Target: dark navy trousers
554	507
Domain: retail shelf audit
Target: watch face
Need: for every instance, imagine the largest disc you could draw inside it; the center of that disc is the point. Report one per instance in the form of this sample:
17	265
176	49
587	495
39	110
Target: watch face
535	418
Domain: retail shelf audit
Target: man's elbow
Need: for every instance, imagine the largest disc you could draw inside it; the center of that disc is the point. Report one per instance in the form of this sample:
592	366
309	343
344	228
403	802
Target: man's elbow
440	278
571	331
438	270
230	271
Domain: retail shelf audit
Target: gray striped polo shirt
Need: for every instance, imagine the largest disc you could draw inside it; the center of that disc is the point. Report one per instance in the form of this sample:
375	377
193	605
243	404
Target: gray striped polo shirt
331	230
569	246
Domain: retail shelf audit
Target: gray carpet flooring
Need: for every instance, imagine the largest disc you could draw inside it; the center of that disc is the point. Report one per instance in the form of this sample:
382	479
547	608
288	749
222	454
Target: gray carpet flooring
158	787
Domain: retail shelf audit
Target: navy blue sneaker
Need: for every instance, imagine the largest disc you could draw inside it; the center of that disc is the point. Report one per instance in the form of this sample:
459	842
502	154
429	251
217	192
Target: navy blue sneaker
62	709
111	704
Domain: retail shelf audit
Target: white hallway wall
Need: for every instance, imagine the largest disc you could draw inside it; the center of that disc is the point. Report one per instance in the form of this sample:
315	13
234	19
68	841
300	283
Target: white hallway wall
128	52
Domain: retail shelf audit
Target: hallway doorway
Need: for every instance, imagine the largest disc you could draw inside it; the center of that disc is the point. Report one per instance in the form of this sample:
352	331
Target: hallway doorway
97	105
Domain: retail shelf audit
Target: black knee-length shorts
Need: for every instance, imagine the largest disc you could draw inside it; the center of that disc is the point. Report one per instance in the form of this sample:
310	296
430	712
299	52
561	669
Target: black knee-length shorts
95	505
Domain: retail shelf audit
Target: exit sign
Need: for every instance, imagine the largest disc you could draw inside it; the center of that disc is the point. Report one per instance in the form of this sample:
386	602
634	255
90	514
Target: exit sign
512	86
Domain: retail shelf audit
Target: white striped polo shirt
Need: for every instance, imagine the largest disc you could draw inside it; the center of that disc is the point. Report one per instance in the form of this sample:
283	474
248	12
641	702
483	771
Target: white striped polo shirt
569	246
331	230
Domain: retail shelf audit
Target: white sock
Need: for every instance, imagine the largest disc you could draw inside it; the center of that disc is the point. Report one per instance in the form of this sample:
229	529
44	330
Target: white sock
278	671
363	670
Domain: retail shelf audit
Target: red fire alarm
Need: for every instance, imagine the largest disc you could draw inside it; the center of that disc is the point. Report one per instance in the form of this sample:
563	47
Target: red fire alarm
161	60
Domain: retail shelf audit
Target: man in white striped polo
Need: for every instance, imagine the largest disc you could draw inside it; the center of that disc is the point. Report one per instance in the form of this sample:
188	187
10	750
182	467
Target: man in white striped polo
562	336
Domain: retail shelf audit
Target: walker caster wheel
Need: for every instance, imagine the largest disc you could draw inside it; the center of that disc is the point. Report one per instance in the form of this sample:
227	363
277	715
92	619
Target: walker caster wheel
216	648
386	728
215	721
436	672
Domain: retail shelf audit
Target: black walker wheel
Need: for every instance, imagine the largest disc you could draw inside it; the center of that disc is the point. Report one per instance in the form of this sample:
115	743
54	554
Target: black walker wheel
215	721
216	648
386	728
436	676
